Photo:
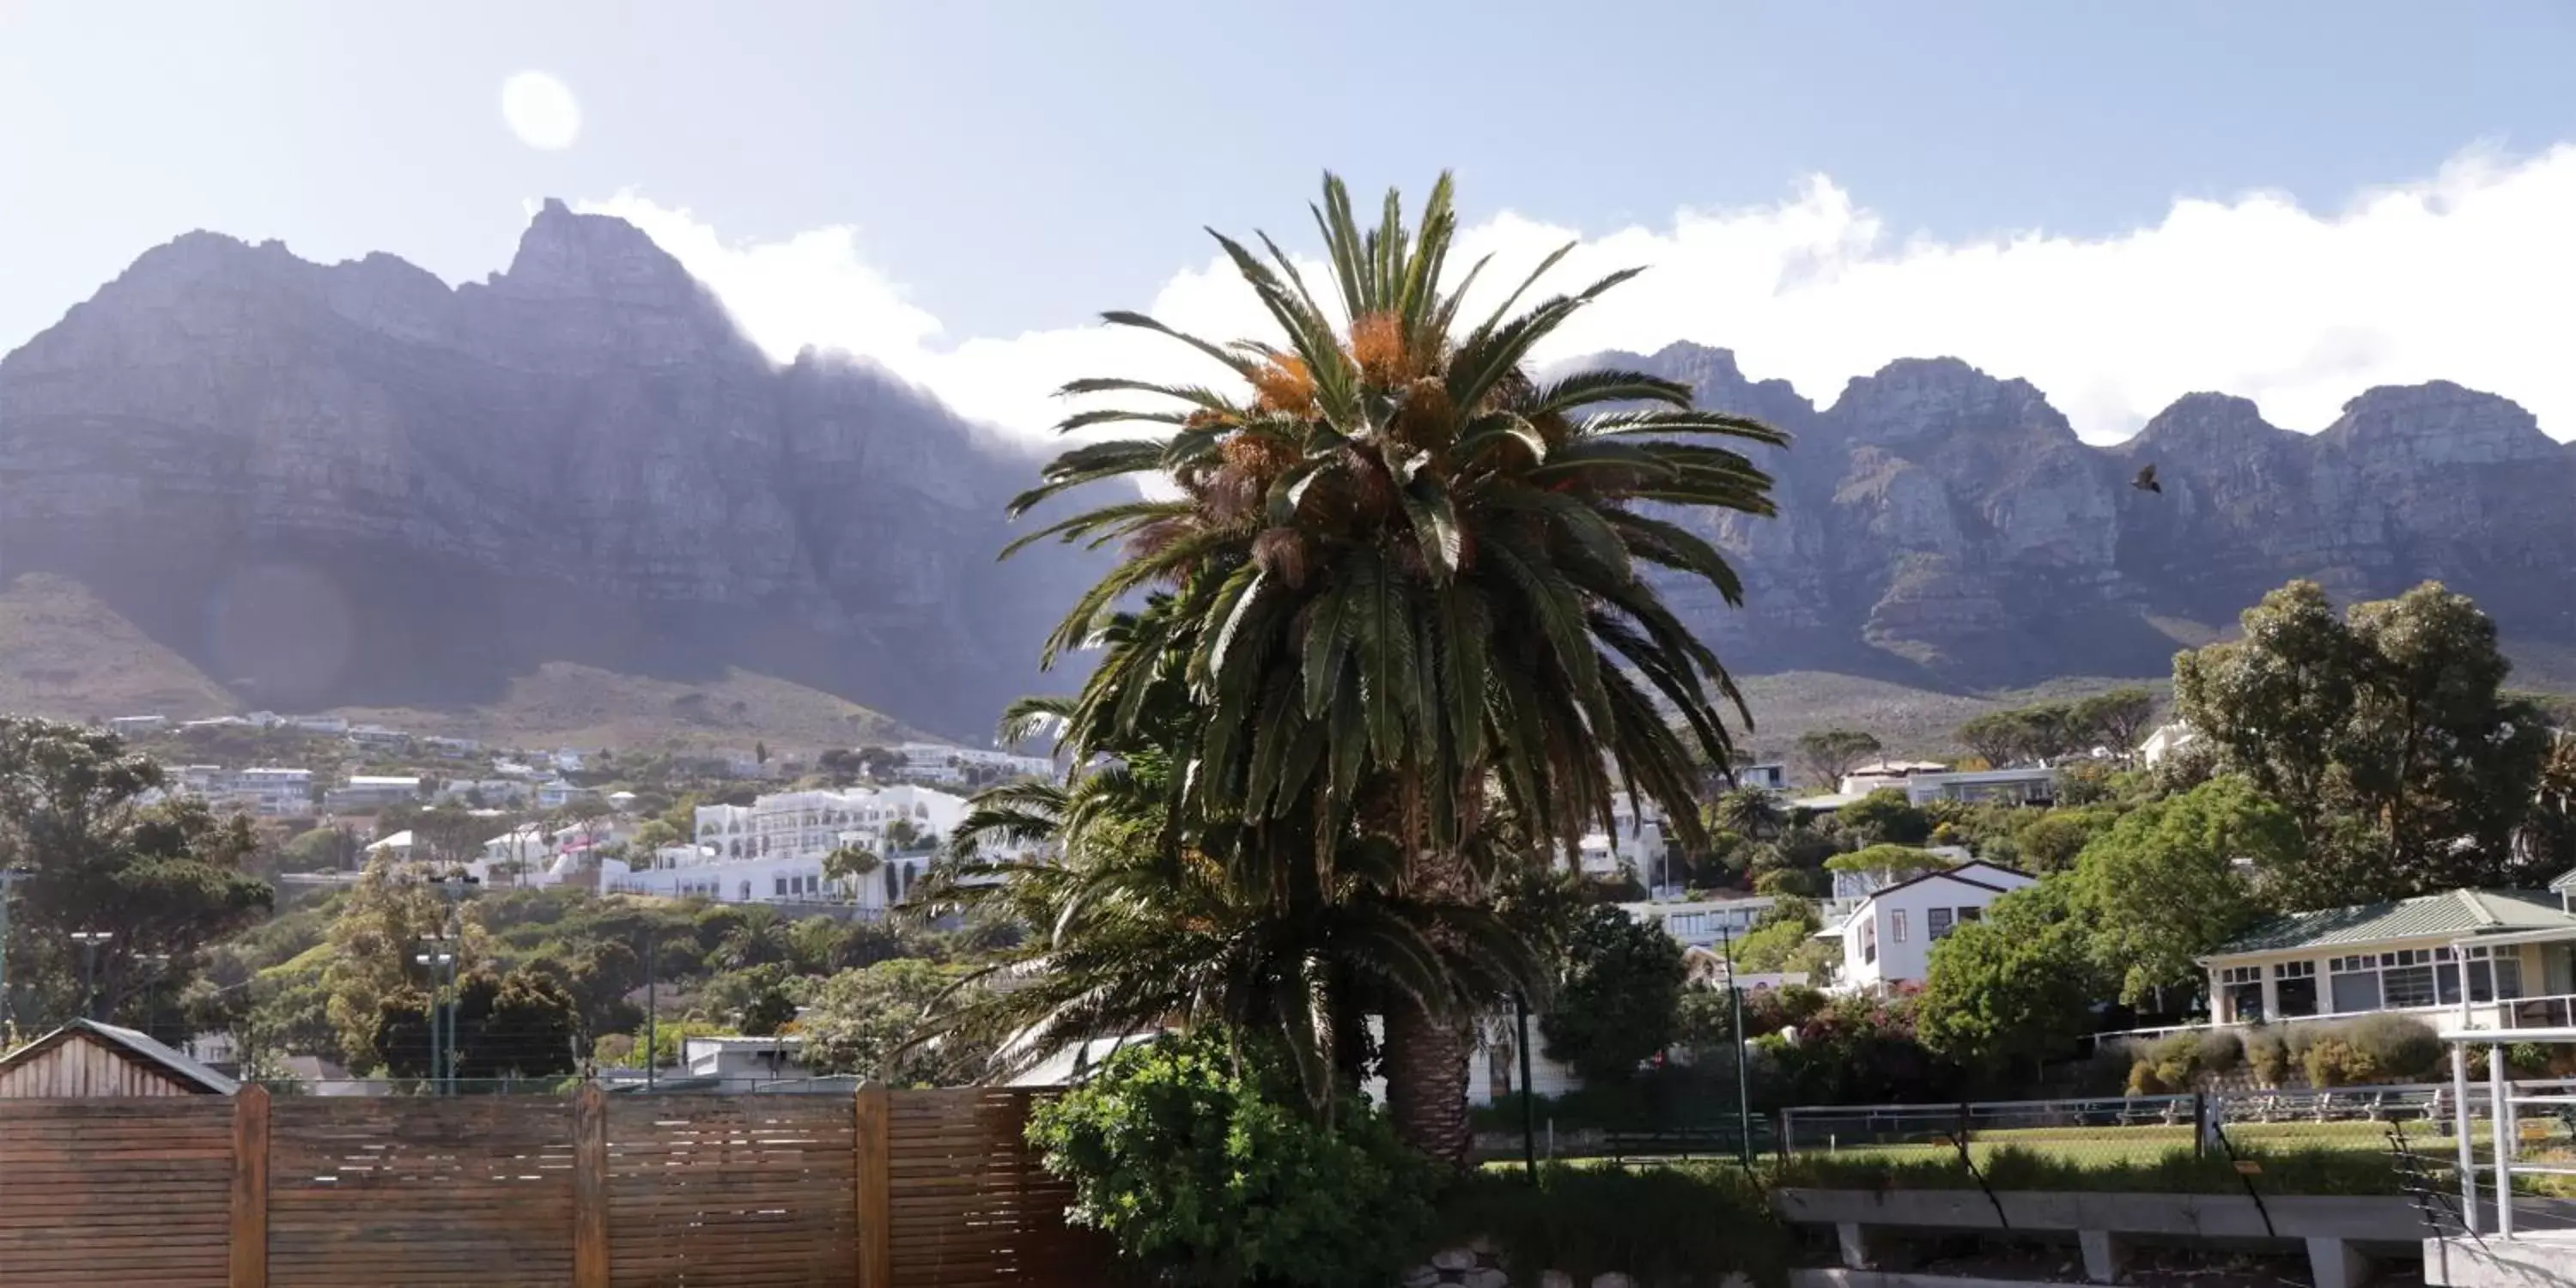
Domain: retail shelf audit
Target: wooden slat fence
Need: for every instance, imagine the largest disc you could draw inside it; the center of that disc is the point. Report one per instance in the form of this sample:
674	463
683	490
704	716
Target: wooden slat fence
907	1189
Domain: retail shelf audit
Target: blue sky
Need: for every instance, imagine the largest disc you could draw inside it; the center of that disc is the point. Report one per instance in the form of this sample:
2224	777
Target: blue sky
962	176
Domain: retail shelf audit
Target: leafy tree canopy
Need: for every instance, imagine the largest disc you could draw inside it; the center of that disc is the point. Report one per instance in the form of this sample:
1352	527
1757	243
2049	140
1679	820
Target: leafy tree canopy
1618	998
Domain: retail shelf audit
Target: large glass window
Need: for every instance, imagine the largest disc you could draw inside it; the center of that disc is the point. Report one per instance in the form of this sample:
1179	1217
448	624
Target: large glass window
2406	978
1896	921
2294	988
1936	922
2243	986
2353	982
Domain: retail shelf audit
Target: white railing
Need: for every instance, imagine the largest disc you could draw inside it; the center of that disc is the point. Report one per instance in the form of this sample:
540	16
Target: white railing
2504	1102
2557	1010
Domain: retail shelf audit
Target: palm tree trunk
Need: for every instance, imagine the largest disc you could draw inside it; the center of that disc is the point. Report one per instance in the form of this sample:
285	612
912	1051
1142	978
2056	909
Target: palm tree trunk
1427	1051
1426	1082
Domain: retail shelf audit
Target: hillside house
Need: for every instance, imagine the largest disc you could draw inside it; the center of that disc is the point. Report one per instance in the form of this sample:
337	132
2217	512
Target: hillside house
86	1058
1888	936
373	791
1702	923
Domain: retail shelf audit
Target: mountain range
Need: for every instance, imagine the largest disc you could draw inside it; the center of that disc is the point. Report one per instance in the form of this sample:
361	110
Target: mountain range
353	485
1944	527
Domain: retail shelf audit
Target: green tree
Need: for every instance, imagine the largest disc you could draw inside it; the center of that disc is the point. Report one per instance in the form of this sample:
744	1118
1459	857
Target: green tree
863	1022
2012	989
164	881
2385	733
1827	754
516	1025
653	835
373	948
2161	888
1617	997
1887	864
2118	720
1190	1153
1749	812
1406	588
1884	818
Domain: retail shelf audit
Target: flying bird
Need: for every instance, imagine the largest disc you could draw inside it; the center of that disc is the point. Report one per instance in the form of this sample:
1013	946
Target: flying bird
2146	481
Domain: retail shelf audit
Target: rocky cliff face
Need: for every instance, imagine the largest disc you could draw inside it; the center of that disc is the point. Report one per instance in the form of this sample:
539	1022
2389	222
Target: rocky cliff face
1938	523
354	484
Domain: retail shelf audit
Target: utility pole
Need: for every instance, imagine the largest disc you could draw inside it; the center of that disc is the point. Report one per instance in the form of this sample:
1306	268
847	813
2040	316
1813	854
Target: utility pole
652	1011
436	955
1743	1094
8	878
90	941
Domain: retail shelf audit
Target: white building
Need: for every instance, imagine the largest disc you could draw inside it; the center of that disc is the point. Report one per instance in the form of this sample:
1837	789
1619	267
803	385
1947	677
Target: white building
2165	741
452	746
1864	779
741	1064
1770	776
1634	844
482	791
368	735
2031	785
1702	923
131	726
773	849
334	725
374	791
1888	937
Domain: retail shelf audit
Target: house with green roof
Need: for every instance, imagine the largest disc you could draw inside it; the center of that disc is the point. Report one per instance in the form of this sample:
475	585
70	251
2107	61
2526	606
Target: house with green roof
2491	958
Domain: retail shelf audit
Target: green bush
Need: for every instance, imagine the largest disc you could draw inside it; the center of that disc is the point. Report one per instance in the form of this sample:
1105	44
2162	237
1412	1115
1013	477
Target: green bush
2144	1081
2332	1060
2220	1051
1662	1225
2268	1055
2400	1048
1207	1167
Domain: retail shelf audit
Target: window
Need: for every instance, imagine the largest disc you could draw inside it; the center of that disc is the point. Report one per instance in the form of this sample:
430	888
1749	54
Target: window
1896	923
2493	973
2294	988
2353	982
1936	923
1967	915
1869	940
2406	978
2242	986
778	886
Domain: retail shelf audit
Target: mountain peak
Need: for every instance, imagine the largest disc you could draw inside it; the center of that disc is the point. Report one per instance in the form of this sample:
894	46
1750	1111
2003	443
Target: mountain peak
1915	398
2440	423
564	255
2206	421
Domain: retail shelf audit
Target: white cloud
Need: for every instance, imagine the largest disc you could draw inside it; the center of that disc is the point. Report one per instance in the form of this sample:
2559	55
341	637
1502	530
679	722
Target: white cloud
2462	277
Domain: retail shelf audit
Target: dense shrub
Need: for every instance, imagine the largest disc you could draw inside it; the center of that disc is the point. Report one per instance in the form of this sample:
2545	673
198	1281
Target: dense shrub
2400	1048
1206	1166
1666	1225
2268	1055
2332	1060
2220	1051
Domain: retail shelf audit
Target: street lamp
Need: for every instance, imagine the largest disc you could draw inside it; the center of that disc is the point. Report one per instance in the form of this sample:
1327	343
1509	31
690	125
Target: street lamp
437	956
90	941
1735	999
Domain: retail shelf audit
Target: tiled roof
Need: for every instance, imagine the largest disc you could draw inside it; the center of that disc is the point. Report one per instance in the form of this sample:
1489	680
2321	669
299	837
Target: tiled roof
2456	912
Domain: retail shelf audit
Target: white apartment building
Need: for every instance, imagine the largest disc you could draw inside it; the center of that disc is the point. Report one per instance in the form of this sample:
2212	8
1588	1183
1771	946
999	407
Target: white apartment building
1703	923
1888	937
2030	785
374	791
772	850
1634	843
263	791
130	726
378	736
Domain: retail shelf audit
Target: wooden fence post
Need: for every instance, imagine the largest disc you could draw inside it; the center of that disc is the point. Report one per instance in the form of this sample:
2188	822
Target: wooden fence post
875	1188
590	1188
250	1188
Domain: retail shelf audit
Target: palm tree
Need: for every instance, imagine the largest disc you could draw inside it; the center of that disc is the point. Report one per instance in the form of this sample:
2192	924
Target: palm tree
1750	812
1144	918
1407	583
